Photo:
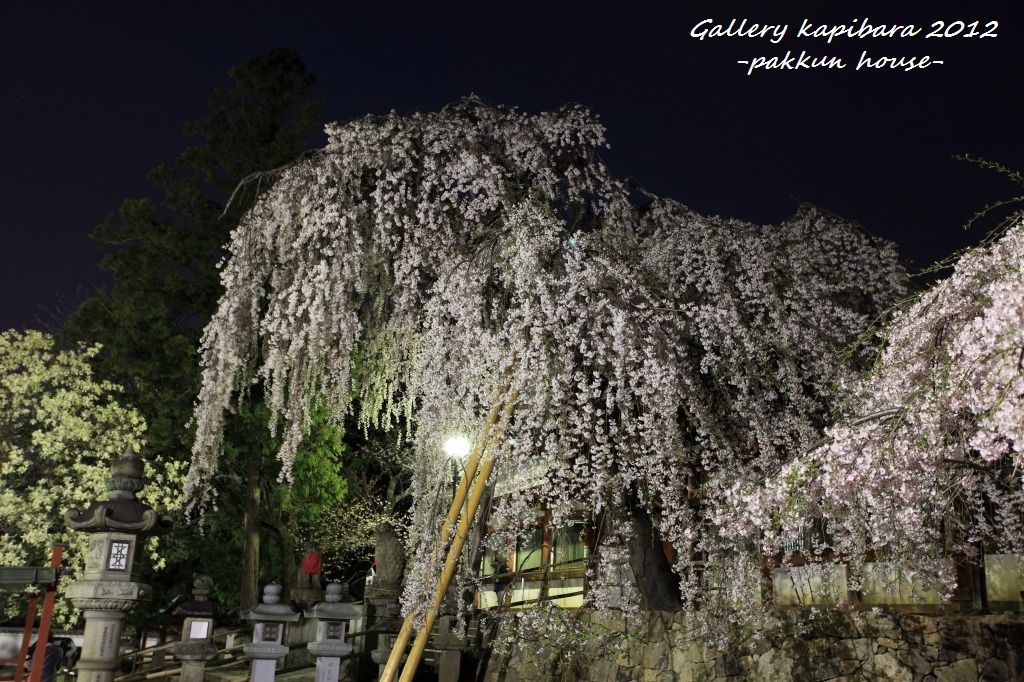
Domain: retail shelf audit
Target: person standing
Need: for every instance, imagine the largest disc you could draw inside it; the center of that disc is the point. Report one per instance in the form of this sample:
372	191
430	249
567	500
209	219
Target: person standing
309	573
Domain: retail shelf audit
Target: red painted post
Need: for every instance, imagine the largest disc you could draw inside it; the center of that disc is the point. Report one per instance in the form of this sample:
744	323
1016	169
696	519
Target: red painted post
26	638
47	614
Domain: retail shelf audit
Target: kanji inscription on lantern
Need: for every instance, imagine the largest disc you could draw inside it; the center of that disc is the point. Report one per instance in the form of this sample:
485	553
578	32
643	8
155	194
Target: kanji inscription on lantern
118	560
106	639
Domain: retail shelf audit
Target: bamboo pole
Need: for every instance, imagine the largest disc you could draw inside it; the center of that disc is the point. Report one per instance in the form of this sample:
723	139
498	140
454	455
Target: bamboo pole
454	552
446	576
402	640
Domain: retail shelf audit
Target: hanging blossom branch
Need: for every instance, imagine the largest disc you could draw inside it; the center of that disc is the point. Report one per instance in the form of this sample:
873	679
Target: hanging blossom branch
401	271
943	472
259	177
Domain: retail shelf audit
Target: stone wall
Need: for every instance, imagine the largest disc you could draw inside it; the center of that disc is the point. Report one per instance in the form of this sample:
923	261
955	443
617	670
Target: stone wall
842	647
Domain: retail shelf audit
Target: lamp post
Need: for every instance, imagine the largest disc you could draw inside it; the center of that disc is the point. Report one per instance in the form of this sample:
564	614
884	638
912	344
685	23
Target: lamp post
110	586
450	644
457	448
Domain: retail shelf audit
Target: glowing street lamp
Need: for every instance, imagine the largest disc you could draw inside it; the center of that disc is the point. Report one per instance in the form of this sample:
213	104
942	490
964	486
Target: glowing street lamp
457	447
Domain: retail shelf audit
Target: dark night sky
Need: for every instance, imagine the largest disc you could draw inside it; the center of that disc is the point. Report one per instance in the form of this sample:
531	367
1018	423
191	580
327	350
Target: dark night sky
95	94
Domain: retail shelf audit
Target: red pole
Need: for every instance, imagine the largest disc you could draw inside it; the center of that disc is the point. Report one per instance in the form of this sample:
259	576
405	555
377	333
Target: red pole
44	619
26	638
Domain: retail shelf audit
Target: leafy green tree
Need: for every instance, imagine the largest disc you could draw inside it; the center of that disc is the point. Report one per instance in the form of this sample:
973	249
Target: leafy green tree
378	492
60	426
163	260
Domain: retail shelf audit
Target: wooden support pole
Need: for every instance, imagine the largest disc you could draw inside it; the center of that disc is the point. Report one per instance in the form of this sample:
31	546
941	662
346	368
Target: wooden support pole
47	615
402	640
455	551
26	639
501	408
446	574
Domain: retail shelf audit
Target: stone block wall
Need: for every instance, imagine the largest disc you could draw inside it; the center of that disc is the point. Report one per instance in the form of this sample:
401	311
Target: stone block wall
842	648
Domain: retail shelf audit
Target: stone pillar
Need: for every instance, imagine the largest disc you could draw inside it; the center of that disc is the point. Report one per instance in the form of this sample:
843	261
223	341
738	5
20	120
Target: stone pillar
194	655
266	648
452	645
385	620
101	644
110	586
330	645
451	663
382	593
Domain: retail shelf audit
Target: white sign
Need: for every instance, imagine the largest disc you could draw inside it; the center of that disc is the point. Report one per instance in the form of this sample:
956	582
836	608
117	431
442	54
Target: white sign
200	629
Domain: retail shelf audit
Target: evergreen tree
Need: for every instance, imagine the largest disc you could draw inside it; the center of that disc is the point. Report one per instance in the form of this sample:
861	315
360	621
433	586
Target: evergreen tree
163	258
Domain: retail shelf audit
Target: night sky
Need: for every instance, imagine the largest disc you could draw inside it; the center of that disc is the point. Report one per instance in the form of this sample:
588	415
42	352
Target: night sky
95	95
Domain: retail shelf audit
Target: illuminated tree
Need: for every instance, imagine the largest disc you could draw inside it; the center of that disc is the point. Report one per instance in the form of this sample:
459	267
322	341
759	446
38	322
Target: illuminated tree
416	263
59	429
927	460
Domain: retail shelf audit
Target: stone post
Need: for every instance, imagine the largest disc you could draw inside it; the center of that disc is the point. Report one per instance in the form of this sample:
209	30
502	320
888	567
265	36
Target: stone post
329	645
386	621
266	648
452	646
384	617
194	655
307	591
110	586
196	647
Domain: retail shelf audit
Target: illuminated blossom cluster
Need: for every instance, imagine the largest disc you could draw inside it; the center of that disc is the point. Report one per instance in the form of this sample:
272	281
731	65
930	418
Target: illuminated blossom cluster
928	462
417	265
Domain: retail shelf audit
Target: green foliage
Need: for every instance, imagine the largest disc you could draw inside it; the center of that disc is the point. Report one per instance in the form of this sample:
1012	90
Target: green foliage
59	428
163	255
316	477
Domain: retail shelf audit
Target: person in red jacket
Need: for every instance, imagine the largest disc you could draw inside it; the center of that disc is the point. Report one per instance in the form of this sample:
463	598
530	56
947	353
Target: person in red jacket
309	573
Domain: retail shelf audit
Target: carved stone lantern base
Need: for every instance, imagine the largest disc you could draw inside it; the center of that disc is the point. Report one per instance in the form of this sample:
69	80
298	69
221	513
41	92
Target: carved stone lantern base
194	655
104	603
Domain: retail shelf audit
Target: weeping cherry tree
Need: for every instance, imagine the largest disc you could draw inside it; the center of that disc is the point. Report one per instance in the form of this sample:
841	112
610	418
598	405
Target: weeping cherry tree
926	460
416	265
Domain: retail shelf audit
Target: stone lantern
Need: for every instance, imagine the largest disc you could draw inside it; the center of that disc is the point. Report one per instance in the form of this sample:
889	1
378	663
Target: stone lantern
452	646
110	586
329	645
267	648
196	647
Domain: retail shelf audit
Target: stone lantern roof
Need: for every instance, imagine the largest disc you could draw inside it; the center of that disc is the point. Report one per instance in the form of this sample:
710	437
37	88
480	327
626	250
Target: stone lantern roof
200	605
271	609
333	608
121	511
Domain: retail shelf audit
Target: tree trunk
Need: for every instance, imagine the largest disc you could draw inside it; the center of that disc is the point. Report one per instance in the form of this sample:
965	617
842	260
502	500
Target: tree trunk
251	549
289	564
658	585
